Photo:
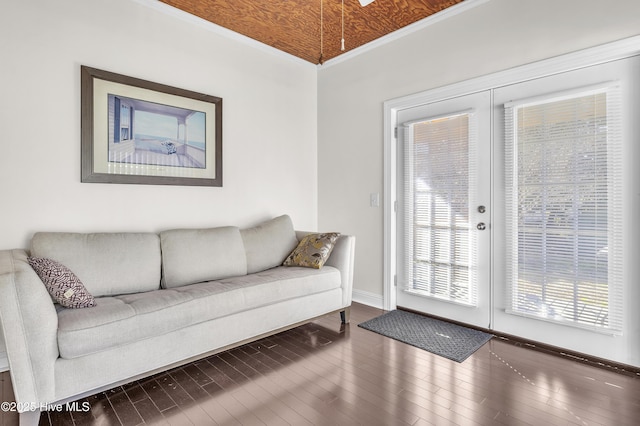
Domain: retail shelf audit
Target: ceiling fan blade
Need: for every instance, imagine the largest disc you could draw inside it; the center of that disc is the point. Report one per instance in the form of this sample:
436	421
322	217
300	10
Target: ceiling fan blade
365	2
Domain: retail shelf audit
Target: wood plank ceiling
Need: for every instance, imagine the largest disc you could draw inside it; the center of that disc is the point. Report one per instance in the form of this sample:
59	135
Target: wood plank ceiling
294	26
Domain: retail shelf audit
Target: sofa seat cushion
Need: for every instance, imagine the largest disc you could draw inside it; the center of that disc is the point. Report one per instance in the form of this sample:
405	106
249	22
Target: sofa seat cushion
119	320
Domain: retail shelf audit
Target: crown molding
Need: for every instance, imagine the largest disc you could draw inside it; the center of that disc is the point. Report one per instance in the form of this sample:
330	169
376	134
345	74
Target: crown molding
409	29
224	32
219	30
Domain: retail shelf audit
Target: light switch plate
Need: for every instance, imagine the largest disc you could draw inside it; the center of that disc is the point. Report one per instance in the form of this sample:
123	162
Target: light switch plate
374	199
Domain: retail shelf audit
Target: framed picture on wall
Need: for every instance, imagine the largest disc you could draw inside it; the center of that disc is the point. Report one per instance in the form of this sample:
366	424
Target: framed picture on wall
140	132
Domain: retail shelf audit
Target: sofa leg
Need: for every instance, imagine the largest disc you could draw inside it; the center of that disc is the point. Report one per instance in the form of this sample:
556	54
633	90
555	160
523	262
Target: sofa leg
344	316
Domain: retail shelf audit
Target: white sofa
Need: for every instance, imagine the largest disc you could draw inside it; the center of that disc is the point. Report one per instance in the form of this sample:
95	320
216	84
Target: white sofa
161	300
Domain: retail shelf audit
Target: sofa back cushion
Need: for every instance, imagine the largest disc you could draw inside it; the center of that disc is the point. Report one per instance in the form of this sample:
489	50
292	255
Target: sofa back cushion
107	263
191	256
268	244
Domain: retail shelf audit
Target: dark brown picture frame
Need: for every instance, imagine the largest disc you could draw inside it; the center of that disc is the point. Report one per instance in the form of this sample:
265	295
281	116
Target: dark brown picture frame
109	157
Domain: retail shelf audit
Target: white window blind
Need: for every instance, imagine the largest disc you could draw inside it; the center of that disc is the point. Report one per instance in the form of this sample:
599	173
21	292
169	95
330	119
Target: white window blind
563	192
439	188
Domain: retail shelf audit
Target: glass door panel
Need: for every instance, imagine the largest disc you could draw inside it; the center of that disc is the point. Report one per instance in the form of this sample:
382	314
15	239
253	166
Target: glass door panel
444	233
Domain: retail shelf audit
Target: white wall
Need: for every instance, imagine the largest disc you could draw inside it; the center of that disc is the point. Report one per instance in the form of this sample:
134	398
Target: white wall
496	35
316	155
269	123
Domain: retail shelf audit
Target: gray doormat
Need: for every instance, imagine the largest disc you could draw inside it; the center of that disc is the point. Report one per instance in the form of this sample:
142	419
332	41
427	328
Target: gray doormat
442	338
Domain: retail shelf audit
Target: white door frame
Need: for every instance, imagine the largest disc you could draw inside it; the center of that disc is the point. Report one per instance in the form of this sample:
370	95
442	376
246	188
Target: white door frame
592	56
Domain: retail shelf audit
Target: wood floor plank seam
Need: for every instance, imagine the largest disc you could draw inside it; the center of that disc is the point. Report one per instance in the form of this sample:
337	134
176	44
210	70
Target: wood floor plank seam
328	373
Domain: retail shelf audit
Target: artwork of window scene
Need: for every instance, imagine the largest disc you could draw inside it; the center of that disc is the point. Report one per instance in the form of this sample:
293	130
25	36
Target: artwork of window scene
149	133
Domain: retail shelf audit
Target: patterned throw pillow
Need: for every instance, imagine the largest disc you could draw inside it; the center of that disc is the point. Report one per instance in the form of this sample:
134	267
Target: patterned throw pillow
313	250
62	284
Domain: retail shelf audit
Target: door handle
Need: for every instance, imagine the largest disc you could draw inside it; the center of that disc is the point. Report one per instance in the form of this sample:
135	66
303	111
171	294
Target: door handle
481	226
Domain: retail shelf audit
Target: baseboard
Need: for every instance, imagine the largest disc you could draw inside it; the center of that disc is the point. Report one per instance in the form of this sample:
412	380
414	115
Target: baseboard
4	362
368	298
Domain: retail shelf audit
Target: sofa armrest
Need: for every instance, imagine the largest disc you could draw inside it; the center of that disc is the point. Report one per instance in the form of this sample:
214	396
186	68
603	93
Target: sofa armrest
30	324
343	258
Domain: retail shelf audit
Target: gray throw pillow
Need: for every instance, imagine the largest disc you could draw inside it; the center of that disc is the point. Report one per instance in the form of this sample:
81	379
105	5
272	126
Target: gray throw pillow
61	283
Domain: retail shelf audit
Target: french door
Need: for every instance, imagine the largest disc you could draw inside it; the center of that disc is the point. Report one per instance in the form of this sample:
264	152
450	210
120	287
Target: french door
444	208
560	269
516	208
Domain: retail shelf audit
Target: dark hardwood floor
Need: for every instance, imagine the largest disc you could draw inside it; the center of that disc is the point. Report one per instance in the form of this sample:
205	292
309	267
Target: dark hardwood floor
325	374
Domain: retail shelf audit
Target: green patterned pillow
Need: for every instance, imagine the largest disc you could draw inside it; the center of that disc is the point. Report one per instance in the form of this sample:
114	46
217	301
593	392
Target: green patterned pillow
313	250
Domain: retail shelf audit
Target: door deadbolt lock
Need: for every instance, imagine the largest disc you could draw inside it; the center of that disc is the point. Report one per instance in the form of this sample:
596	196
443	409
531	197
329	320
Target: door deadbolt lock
482	209
481	226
